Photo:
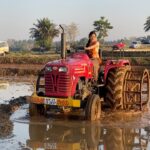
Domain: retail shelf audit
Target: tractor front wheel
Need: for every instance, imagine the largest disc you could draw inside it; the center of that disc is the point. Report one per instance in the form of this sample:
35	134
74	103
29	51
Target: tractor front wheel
93	108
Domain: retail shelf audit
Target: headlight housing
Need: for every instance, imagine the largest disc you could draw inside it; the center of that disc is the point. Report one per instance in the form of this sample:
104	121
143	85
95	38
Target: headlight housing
48	69
63	69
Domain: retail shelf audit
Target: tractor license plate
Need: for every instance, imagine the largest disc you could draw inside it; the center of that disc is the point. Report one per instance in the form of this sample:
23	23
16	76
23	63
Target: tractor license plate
50	146
50	101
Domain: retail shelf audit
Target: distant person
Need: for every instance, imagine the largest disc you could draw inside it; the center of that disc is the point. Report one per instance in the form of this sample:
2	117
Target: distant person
92	48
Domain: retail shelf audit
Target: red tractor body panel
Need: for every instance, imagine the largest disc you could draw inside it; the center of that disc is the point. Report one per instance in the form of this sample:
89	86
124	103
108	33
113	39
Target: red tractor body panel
110	64
60	83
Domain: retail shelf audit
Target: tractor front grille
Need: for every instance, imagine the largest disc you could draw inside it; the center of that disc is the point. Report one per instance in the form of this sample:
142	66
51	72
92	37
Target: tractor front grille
57	85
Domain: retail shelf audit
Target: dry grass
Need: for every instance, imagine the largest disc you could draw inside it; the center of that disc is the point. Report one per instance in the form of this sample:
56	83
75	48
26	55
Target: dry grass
27	58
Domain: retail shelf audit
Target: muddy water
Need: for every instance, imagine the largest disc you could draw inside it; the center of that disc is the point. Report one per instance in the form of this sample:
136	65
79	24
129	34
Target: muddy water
11	90
115	131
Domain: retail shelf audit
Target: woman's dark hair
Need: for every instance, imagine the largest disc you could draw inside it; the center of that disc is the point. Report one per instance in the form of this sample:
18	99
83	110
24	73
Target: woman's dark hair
92	32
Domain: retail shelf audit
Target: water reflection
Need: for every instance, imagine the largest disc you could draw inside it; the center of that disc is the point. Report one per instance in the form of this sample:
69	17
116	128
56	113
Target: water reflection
124	139
65	136
11	90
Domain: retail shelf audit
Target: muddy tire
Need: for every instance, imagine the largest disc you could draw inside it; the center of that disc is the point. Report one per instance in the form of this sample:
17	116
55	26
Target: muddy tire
36	110
115	86
93	108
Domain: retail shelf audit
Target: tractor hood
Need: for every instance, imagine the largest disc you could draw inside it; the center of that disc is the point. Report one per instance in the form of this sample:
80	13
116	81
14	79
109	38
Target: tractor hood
77	59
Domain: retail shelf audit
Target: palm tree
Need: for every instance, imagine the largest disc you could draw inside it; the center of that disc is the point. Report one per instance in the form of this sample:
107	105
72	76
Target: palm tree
147	24
44	32
102	26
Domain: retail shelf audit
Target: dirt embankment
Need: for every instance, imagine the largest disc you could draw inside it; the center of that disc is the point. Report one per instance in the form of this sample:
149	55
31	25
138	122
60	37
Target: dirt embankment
29	71
20	69
29	66
6	126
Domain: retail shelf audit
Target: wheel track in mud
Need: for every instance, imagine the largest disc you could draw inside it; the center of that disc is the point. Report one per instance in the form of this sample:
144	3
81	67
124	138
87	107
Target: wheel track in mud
6	125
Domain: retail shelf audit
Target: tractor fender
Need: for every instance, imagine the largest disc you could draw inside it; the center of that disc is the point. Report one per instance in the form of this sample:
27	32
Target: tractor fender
111	64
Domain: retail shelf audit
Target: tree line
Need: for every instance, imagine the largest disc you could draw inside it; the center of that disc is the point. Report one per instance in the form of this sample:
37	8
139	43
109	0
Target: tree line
44	31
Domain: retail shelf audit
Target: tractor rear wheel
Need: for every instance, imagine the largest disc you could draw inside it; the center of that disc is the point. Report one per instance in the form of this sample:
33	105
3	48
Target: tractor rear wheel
93	108
137	89
115	87
36	109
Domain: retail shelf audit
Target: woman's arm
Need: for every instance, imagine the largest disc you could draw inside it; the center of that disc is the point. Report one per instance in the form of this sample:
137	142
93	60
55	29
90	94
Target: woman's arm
92	46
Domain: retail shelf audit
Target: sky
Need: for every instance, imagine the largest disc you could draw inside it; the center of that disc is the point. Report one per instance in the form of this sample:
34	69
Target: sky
126	16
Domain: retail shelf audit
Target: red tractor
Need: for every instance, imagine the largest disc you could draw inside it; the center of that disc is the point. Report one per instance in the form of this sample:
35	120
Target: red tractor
67	84
118	46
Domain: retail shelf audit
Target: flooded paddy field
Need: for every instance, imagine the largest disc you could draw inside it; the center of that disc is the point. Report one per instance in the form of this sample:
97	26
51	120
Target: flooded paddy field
115	131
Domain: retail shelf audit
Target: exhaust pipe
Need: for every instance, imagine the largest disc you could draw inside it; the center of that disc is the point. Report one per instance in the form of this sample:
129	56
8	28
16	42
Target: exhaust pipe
63	43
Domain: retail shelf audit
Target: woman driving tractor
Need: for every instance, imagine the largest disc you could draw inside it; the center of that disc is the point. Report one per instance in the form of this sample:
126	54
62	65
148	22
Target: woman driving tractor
92	48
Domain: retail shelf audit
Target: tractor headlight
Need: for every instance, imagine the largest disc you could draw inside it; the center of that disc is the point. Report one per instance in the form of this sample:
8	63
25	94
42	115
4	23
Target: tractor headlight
63	69
48	69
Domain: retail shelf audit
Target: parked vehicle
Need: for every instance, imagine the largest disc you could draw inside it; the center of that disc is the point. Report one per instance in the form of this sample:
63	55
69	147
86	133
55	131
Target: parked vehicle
118	46
146	41
4	48
135	44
